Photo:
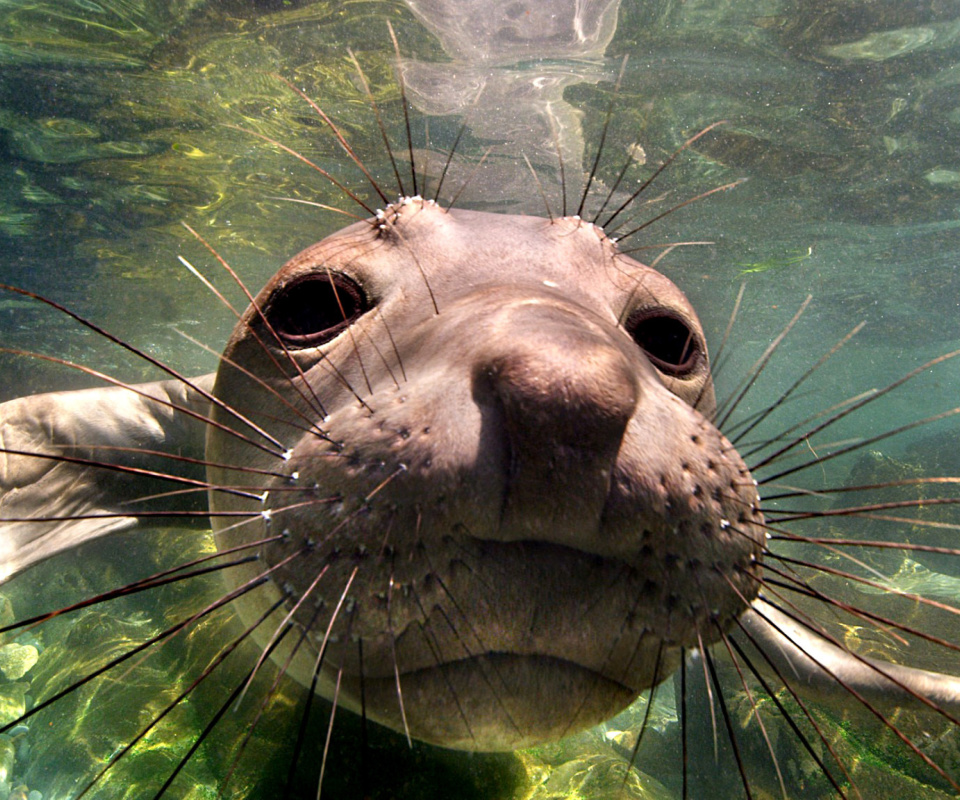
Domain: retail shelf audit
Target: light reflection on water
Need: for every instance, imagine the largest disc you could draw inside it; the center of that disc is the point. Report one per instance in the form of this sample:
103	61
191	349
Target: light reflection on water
115	128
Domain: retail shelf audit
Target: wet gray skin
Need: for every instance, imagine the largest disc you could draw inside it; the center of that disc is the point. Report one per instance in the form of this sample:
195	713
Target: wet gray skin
485	443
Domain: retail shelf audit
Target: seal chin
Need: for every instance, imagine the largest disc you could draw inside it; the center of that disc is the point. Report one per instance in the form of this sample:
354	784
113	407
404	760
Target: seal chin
496	702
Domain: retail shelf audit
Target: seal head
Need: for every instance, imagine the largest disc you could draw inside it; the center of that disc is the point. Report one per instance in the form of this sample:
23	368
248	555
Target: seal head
504	507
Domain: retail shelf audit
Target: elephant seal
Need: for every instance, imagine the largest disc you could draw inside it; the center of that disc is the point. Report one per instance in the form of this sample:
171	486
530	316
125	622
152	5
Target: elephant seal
499	448
508	475
475	458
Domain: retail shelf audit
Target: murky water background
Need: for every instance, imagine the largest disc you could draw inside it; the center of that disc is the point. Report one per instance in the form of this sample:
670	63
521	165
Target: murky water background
119	121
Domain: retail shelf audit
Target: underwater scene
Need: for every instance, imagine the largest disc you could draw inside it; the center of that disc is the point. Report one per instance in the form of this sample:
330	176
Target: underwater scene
792	166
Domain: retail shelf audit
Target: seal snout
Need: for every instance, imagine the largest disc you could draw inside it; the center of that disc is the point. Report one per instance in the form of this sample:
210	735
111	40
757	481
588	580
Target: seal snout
565	391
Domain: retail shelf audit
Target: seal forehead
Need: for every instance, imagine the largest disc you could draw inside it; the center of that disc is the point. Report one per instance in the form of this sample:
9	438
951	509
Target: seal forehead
415	248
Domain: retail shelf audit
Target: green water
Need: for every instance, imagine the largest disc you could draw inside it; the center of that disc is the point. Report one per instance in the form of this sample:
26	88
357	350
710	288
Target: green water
121	120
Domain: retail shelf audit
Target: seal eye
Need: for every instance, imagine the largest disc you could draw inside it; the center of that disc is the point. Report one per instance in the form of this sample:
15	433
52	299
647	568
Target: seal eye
668	341
311	311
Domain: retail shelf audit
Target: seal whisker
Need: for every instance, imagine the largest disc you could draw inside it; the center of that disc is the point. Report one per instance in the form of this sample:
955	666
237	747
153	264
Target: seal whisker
283	624
449	160
466	181
613	189
727	408
416	260
124	469
131	470
754	708
794	492
326	744
699	654
316	403
473	632
224	707
309	163
163	635
865	510
874	543
315	204
748	449
180	459
391	634
312	425
543	195
315	677
720	356
849	576
788	718
626	203
800	616
247	516
725	713
194	385
152	397
270	694
872	397
393	346
302	725
406	108
684	725
851	448
427	144
388	149
791	390
702	196
669	246
334	701
655	683
792	582
562	167
146	655
880	623
887	674
603	138
215	662
238	488
376	348
155	581
339	135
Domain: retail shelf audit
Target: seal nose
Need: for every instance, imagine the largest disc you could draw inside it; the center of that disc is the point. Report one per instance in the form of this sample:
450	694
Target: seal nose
566	392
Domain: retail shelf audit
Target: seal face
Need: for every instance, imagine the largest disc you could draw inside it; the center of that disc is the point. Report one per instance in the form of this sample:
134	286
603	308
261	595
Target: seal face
503	503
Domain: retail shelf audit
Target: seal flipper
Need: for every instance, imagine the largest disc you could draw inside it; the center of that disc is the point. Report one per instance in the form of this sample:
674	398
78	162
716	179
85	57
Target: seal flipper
822	670
63	456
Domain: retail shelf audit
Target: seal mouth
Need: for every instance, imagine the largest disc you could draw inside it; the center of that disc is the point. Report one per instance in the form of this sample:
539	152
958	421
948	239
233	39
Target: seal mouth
474	599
